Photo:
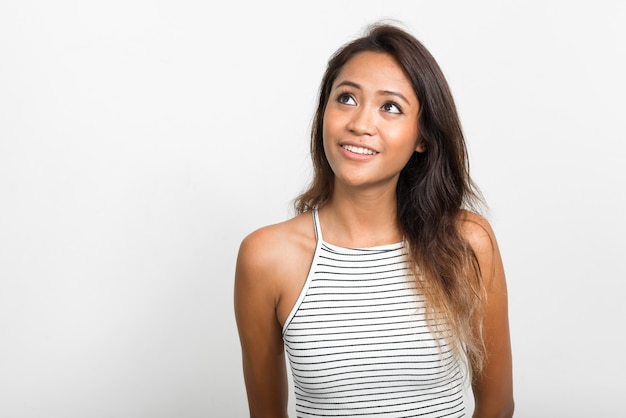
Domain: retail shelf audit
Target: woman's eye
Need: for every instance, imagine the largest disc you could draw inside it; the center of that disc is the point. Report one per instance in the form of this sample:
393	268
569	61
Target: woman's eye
346	99
392	108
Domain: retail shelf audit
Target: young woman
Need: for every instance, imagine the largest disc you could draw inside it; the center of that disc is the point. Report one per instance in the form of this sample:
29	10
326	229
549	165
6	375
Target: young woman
386	291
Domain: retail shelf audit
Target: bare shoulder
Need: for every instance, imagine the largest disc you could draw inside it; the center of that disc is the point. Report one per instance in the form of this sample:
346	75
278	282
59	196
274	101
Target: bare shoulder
271	255
477	231
479	234
265	245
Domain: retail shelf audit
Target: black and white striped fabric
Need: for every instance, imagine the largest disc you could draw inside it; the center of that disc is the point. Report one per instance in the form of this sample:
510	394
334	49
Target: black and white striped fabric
358	343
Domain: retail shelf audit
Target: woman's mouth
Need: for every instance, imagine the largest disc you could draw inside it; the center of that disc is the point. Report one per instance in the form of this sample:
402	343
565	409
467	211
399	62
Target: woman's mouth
359	150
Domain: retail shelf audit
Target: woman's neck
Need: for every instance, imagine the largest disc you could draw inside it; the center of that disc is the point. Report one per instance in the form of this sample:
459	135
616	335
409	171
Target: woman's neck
360	220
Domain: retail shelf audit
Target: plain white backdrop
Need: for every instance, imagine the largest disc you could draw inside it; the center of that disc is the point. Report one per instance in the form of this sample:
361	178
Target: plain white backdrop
140	141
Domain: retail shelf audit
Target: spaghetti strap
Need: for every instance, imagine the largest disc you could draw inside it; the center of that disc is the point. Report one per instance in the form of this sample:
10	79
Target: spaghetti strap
315	261
318	228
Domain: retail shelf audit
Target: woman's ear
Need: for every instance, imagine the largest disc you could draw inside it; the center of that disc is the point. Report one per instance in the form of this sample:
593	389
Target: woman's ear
421	145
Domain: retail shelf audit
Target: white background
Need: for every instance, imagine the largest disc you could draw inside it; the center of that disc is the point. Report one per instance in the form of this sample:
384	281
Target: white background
140	141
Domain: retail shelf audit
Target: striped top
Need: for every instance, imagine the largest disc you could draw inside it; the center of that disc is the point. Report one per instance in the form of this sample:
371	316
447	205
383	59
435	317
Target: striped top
358	343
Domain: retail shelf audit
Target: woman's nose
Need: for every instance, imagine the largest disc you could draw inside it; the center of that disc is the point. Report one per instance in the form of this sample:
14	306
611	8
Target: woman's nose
362	122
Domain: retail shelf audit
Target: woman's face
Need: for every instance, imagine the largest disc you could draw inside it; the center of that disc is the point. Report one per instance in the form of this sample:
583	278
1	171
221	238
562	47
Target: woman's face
370	127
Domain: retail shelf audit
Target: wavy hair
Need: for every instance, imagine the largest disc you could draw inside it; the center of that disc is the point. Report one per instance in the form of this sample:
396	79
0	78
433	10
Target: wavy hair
432	191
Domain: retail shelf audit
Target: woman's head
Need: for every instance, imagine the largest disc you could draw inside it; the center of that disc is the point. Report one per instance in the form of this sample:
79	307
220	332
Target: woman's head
443	165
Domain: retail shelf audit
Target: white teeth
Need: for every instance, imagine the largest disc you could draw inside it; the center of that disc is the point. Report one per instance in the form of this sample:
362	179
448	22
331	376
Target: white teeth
359	150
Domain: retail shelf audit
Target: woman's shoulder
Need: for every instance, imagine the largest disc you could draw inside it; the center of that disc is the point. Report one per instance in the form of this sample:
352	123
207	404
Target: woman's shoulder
477	231
273	264
270	245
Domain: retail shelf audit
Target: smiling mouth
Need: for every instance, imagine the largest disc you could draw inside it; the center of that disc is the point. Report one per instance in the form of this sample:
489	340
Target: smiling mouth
359	150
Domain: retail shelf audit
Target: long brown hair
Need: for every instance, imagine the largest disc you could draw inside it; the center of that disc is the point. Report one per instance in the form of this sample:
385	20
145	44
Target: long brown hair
432	191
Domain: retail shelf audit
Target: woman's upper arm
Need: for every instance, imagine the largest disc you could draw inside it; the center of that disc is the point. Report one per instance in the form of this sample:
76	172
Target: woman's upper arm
260	336
493	386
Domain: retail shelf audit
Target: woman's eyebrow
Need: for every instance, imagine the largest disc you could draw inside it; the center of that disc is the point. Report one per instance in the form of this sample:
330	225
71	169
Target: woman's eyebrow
394	93
349	84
